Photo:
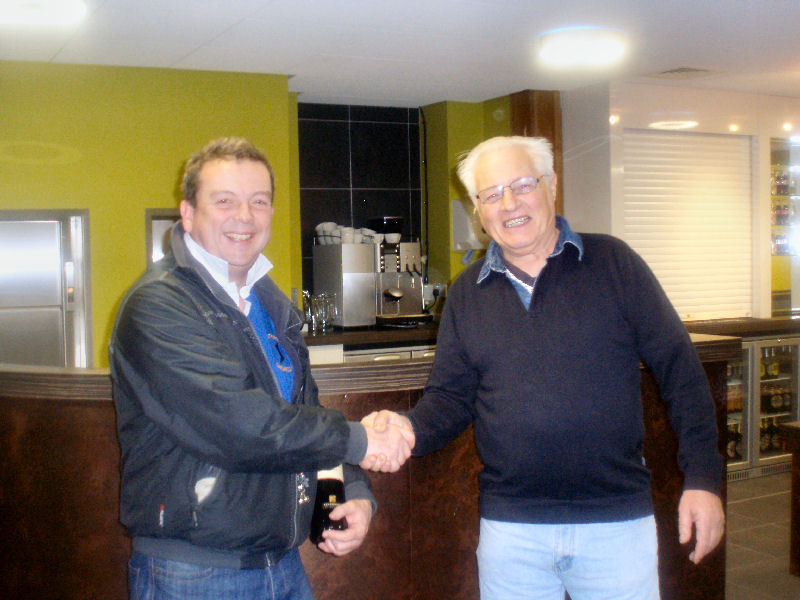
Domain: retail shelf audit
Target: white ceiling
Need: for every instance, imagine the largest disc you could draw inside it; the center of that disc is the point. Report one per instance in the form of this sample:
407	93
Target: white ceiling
417	52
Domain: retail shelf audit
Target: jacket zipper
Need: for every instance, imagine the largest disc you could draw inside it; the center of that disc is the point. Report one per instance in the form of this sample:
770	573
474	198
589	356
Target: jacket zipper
302	486
301	481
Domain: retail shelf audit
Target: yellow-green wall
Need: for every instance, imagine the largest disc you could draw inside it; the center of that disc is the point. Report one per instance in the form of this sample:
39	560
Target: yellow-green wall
113	140
781	273
453	128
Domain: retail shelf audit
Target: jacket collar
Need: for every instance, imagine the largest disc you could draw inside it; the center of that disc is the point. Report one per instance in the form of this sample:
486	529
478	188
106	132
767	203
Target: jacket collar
273	300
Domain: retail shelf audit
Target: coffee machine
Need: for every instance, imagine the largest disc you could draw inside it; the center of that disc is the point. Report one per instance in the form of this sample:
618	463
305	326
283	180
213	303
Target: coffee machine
398	277
347	271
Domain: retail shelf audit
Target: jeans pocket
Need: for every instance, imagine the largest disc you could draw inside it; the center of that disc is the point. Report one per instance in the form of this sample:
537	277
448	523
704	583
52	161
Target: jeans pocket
139	581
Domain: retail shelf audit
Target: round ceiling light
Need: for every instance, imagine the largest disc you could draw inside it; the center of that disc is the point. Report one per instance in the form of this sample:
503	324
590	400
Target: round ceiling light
673	124
581	47
42	12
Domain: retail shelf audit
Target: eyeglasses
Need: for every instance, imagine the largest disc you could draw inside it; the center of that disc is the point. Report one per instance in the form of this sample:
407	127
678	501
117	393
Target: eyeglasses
518	187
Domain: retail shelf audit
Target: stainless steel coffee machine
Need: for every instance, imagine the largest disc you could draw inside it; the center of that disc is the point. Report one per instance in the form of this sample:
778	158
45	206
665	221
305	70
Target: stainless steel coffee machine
347	271
398	284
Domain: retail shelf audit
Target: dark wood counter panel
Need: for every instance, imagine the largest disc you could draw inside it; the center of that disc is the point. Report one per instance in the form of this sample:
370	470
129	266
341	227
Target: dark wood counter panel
59	479
791	432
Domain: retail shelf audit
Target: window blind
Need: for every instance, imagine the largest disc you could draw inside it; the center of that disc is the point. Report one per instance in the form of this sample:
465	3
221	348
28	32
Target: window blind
688	213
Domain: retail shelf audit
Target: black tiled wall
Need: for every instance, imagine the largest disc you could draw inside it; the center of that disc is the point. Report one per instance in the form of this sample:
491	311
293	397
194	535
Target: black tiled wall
357	162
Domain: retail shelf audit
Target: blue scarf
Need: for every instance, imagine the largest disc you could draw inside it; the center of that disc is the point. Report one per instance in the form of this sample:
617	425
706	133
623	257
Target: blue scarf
278	359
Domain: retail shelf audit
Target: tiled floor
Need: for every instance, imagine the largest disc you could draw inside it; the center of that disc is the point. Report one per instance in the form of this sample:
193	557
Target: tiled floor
757	551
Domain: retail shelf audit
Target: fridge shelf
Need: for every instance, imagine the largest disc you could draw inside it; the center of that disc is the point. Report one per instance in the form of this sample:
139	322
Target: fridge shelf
770	415
781	377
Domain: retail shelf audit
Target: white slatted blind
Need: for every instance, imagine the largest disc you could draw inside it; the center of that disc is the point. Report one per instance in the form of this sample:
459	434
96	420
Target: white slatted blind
687	212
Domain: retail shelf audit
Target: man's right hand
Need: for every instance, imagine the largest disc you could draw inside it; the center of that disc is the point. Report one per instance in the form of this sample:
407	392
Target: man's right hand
390	439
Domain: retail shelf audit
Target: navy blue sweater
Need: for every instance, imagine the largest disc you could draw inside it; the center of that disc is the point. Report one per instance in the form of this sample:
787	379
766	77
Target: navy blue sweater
553	390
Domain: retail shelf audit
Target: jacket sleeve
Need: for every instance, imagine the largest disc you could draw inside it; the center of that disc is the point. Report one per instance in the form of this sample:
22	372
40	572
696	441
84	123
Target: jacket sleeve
665	347
192	375
357	482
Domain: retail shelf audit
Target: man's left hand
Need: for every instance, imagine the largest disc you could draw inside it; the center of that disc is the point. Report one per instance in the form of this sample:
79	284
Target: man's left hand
358	514
703	510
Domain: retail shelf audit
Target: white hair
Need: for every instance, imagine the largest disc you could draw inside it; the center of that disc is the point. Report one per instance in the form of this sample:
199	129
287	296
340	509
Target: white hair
538	149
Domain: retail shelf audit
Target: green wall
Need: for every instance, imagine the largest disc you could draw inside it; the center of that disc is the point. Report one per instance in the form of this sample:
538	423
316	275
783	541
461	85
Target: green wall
453	128
113	140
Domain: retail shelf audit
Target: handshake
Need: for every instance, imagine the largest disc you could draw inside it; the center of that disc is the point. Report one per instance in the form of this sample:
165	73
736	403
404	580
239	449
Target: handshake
390	439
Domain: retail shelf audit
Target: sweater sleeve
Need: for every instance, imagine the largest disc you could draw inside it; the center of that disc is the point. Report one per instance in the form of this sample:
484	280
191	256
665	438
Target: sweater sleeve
447	404
665	347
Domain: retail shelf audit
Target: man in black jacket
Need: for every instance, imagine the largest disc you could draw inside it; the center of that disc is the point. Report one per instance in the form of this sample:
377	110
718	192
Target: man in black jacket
219	423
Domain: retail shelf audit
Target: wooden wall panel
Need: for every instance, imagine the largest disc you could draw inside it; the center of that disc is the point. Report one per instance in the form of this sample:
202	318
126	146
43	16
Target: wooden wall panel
538	113
381	567
60	535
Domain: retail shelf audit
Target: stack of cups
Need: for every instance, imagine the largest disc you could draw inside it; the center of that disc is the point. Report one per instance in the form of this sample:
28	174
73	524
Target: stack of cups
366	235
325	233
328	233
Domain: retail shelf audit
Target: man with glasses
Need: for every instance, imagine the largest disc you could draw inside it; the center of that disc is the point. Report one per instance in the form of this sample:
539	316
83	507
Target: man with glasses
539	348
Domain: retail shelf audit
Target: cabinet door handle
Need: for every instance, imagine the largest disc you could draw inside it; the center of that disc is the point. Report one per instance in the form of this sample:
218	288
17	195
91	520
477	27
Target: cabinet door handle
387	357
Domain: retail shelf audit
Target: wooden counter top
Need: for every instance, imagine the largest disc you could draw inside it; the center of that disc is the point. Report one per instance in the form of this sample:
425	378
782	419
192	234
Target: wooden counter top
746	327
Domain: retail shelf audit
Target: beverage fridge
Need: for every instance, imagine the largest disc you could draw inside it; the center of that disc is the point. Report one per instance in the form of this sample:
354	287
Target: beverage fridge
762	393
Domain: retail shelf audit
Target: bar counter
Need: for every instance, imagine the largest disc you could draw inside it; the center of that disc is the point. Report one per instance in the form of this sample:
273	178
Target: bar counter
747	327
791	432
59	488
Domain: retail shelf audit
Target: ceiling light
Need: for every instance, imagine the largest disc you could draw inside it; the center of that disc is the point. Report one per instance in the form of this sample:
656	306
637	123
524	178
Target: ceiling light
788	127
41	12
733	128
581	47
673	124
613	119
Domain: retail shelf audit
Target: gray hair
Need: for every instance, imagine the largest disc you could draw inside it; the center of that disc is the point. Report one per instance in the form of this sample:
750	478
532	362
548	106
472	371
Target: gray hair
538	149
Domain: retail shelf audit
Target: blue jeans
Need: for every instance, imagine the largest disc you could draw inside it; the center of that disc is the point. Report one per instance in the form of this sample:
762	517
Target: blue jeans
152	578
595	561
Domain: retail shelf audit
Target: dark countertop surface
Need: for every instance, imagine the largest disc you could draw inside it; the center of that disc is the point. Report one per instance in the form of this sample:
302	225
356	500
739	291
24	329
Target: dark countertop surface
746	327
363	338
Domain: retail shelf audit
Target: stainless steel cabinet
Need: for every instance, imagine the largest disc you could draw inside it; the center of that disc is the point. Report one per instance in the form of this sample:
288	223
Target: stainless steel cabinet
44	288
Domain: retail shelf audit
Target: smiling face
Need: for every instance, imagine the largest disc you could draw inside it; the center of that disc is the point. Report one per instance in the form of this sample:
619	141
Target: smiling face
523	226
232	215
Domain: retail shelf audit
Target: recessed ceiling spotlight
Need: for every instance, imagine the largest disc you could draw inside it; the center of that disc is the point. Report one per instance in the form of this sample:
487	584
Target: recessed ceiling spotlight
672	124
788	127
613	119
581	46
41	12
733	128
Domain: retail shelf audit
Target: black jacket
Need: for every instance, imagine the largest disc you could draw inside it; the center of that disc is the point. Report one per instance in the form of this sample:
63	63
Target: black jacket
197	401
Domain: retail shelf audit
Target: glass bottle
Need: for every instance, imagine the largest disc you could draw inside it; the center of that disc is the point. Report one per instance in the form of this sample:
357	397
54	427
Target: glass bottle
330	494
